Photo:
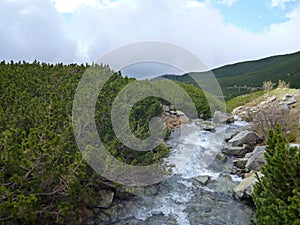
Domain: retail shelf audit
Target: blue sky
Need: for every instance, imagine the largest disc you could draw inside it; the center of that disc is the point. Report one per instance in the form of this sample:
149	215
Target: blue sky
219	32
255	15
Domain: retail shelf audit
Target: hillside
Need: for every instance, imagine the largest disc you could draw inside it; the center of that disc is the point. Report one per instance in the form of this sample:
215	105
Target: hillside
245	77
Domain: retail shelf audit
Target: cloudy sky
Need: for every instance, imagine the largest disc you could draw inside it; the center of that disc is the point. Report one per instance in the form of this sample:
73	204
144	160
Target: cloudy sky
218	31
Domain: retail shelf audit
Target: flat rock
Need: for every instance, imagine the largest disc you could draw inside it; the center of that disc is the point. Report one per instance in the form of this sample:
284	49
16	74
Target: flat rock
222	117
245	137
236	151
203	180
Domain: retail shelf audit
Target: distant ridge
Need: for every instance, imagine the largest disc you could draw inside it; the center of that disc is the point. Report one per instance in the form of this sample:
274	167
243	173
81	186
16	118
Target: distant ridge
245	77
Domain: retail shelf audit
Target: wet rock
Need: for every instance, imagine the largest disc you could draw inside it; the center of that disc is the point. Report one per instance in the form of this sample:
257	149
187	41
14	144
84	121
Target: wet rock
105	198
256	159
240	163
236	151
221	157
206	125
203	180
245	137
222	117
223	184
245	189
127	192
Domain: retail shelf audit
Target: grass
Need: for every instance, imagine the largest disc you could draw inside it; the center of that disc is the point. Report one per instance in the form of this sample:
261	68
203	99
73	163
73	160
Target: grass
243	99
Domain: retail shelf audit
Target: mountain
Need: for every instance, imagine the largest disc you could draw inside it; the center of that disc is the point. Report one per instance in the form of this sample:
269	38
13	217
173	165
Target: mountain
245	77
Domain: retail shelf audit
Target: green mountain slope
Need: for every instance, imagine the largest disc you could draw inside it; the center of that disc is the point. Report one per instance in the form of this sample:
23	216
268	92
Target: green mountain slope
245	77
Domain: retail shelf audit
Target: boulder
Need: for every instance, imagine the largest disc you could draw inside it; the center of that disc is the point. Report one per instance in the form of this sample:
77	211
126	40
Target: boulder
257	159
245	137
236	150
221	157
222	117
245	189
240	163
203	180
105	198
206	125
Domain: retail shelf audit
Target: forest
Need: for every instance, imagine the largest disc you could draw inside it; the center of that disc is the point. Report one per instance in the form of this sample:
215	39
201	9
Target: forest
44	178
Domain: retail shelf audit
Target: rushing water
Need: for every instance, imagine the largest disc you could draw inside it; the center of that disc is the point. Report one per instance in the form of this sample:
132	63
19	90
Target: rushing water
181	199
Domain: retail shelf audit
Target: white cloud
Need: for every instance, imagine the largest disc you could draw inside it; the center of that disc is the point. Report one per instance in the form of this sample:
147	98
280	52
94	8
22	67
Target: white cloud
36	29
32	29
70	6
280	3
226	2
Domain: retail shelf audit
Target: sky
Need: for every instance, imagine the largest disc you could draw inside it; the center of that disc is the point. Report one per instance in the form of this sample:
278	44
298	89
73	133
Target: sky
219	32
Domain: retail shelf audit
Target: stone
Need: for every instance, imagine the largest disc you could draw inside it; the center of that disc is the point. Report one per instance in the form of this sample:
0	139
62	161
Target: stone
287	96
166	108
222	117
173	112
291	101
257	159
236	151
245	189
237	110
245	137
223	183
240	163
127	192
180	113
221	157
206	125
203	180
105	198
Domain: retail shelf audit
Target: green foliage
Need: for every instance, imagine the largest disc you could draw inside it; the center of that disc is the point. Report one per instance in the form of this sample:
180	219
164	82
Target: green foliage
242	100
277	195
44	179
246	77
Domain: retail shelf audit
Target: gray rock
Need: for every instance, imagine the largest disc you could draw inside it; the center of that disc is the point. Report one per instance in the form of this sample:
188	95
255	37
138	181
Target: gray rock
221	157
287	96
180	113
291	101
245	137
173	112
105	198
257	159
240	163
245	189
203	180
206	125
222	117
236	151
223	184
127	192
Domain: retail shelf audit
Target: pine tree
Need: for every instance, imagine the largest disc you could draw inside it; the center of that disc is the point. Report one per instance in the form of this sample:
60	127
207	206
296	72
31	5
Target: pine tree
277	195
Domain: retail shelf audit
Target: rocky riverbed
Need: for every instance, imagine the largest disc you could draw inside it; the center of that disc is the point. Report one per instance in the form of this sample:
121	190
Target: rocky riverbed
199	192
